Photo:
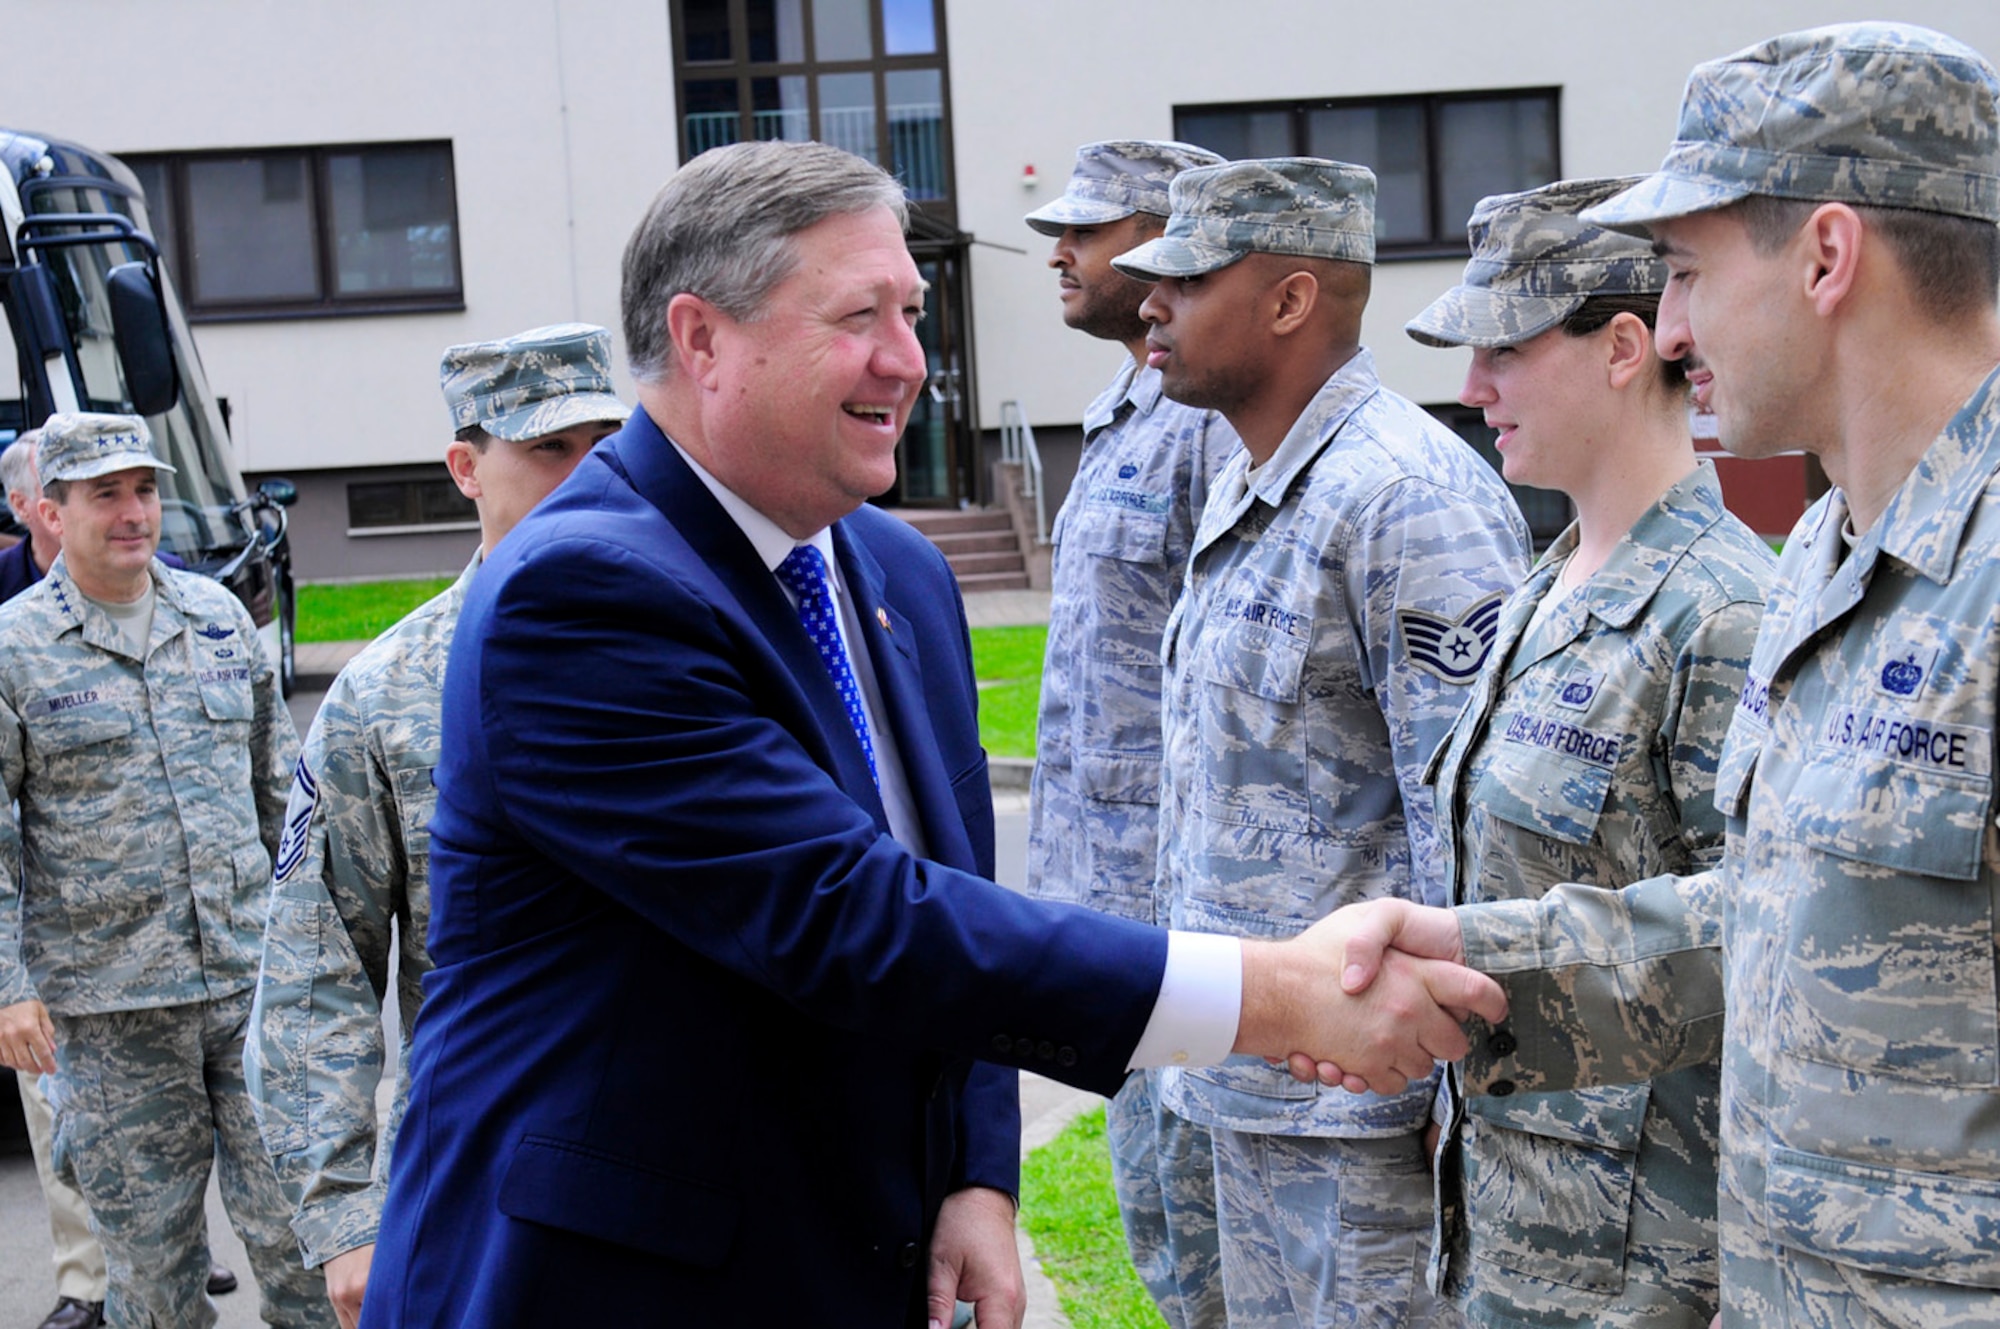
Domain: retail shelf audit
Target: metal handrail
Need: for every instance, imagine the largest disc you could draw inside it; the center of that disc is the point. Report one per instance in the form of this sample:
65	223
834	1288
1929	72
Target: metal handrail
1017	447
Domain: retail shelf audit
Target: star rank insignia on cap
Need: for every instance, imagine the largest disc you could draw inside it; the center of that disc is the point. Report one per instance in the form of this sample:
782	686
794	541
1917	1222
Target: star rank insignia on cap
1452	649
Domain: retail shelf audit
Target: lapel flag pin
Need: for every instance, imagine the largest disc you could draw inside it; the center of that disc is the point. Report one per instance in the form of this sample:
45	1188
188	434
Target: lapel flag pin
882	617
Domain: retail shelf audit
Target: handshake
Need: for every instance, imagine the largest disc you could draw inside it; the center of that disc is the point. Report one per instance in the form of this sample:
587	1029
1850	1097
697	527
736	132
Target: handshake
1368	998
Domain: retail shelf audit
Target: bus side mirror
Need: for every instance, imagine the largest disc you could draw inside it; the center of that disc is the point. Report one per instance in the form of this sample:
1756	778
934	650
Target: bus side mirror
281	492
145	346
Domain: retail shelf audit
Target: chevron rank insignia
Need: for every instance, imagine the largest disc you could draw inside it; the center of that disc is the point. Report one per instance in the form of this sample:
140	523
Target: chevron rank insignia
1452	649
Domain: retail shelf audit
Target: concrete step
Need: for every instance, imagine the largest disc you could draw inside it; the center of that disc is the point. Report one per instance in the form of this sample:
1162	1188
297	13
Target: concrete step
975	542
972	565
954	521
992	581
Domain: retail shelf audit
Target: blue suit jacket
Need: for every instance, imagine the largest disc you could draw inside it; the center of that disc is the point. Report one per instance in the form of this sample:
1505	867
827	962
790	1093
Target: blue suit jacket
701	1037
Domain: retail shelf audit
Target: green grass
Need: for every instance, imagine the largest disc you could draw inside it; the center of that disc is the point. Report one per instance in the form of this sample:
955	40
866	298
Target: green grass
362	610
1071	1215
1008	664
1008	661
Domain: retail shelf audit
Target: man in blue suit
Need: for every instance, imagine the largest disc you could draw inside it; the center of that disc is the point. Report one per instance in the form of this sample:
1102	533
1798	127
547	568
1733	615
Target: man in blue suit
715	955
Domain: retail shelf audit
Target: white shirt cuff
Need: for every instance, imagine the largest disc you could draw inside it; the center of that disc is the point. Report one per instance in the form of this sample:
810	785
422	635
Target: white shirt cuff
1200	1003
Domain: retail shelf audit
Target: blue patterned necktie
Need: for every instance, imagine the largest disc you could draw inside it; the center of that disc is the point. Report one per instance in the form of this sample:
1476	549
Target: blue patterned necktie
804	571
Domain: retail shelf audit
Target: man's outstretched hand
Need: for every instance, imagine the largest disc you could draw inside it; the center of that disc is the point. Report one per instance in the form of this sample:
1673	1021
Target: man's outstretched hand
1369	997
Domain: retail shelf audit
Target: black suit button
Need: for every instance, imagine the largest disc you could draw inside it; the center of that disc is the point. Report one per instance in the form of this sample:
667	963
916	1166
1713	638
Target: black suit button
1002	1045
1045	1050
1024	1047
1500	1088
1502	1044
907	1257
1065	1056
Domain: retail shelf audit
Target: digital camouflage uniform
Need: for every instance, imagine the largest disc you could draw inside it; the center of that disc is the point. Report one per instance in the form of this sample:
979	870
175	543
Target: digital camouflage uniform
150	795
1588	753
355	858
1852	925
1120	555
356	848
1339	600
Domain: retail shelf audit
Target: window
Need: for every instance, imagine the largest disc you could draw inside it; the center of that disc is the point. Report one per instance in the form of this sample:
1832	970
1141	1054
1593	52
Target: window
1433	156
864	75
400	507
290	232
1548	511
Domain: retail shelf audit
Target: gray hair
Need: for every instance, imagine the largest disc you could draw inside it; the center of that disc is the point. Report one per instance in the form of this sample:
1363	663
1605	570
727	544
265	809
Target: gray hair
721	228
17	467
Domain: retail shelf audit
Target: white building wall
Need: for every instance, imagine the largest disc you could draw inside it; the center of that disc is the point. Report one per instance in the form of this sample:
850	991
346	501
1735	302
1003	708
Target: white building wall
562	122
1031	79
561	119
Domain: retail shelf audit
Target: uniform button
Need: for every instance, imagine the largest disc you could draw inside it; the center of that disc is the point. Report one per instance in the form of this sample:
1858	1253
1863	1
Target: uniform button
1045	1050
907	1257
1500	1088
1024	1047
1002	1045
1502	1044
1065	1056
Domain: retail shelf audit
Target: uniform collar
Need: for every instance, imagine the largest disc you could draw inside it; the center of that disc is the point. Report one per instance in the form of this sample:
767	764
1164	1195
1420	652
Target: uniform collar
74	610
1924	524
1619	592
1339	397
1135	384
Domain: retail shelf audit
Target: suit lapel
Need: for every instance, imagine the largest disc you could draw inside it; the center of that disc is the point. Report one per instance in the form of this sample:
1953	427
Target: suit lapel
892	649
658	474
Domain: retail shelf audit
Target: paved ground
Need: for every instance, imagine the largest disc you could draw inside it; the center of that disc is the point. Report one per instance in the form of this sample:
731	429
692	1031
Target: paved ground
26	1284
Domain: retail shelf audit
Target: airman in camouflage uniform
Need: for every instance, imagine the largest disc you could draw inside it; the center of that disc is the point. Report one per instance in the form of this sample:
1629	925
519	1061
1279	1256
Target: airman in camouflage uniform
1121	547
1855	909
1588	753
1344	589
142	732
355	856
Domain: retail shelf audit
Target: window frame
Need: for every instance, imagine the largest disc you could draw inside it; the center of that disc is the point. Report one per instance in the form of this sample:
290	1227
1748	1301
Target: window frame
746	72
1443	241
329	303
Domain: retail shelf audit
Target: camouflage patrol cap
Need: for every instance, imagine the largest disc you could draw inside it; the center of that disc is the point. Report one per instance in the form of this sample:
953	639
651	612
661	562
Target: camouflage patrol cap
537	382
1534	263
1881	114
1279	205
1116	179
84	446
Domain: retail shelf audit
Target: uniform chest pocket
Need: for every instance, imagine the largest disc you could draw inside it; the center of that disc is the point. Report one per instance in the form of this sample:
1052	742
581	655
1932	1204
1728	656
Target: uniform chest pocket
225	693
1254	768
69	729
1121	533
1540	791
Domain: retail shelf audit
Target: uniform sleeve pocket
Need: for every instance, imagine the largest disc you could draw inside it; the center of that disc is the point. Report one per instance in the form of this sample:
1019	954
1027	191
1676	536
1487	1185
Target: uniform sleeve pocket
569	1186
1917	1225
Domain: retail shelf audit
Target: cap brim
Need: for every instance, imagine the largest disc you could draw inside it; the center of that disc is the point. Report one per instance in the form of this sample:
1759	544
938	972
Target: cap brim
1171	256
1659	198
1476	316
552	415
1054	218
124	461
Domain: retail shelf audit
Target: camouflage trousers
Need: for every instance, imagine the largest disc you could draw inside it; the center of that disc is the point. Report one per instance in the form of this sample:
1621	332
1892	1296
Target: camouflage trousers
144	1102
1765	1286
1323	1232
1164	1170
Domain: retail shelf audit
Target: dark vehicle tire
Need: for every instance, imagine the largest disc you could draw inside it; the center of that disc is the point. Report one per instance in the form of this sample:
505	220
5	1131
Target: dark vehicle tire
288	654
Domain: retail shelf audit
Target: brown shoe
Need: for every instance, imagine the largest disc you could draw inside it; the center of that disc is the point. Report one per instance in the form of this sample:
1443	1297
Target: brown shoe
220	1280
73	1314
